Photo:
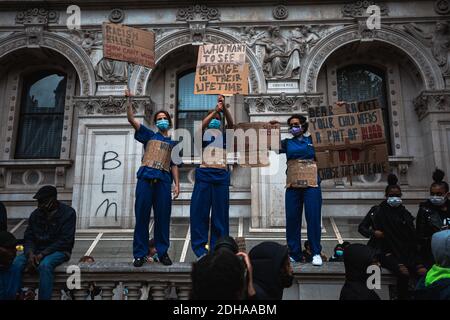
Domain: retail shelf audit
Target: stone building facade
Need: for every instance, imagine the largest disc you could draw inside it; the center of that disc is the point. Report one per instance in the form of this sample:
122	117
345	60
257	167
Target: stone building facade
301	54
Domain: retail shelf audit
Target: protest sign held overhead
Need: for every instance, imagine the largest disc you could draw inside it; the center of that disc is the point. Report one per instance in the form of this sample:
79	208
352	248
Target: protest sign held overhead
221	69
128	44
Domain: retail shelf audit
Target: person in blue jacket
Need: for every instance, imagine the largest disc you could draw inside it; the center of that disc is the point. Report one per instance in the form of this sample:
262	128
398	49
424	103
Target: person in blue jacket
211	188
300	146
153	190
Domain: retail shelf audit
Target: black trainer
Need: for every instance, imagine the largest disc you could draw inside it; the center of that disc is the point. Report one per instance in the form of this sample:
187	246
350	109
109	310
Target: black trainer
139	262
165	260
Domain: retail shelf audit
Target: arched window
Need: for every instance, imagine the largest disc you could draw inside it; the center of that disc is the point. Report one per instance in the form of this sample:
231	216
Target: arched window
41	116
191	107
364	82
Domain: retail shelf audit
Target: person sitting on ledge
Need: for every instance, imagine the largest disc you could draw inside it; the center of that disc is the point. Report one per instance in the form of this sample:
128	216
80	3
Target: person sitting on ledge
8	287
49	239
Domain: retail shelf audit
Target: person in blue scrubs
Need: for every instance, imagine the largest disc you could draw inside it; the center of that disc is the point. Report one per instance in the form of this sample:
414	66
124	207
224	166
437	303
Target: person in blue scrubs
300	146
153	190
211	188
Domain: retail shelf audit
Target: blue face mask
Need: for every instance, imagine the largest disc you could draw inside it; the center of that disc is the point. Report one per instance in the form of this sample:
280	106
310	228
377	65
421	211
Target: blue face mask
438	200
394	201
162	124
339	253
214	124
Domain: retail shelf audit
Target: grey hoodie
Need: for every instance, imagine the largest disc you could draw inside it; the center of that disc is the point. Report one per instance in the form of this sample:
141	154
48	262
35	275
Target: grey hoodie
440	246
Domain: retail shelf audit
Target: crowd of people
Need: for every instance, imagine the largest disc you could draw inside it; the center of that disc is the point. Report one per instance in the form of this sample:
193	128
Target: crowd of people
415	250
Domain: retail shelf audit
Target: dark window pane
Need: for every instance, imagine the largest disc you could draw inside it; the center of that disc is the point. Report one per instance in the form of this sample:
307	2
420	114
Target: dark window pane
41	116
364	82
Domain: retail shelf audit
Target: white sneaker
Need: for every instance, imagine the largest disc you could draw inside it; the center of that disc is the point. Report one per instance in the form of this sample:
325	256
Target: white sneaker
317	260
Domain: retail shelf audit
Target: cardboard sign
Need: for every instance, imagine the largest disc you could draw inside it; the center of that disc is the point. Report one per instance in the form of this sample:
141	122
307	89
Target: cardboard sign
301	174
214	157
334	164
252	142
128	44
345	107
221	53
157	155
221	69
349	130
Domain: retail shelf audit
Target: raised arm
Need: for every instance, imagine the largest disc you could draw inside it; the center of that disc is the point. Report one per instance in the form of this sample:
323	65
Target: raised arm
130	114
228	117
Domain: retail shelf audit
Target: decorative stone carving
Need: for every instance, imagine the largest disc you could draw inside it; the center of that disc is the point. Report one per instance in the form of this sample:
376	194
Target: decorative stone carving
359	8
114	105
281	103
34	35
87	39
439	41
198	12
432	102
197	29
112	70
414	49
365	33
37	16
280	12
280	61
116	15
442	6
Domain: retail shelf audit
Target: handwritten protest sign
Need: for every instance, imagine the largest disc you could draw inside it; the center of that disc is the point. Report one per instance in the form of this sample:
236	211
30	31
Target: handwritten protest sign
349	139
334	164
128	44
349	130
221	69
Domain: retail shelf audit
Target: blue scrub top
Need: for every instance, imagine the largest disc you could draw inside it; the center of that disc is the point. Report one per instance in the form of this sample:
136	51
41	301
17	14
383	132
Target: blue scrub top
298	147
143	135
213	175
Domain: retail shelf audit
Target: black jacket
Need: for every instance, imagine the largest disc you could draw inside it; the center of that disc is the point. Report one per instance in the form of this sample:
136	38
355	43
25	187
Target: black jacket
3	218
429	221
357	257
267	260
48	236
397	224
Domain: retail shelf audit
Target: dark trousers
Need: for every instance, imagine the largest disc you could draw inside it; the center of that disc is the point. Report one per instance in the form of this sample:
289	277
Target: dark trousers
157	195
391	263
311	198
205	197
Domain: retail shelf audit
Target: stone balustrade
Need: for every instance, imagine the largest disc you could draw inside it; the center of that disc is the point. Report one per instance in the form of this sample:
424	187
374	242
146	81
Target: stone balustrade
122	281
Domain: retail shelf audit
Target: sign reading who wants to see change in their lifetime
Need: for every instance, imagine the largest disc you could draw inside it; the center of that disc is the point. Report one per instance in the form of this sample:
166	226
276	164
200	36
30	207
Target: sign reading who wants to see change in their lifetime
221	69
128	44
349	139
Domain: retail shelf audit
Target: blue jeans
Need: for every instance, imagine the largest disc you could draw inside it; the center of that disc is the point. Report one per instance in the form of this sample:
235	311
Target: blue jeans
9	283
46	272
295	199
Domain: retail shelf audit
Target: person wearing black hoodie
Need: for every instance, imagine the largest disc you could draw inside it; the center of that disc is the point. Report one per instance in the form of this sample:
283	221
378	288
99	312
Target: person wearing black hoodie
390	227
272	270
433	216
357	258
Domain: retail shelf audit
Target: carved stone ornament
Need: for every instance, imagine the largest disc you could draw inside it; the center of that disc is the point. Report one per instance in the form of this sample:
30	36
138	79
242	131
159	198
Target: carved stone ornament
87	39
359	9
198	12
442	6
286	103
37	16
197	29
432	102
116	15
114	105
280	12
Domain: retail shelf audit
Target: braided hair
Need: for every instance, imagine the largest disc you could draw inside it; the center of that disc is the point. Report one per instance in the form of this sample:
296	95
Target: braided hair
392	184
438	178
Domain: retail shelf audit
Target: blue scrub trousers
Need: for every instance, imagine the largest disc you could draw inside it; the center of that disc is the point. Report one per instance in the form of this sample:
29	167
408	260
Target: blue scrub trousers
311	197
150	194
46	271
205	196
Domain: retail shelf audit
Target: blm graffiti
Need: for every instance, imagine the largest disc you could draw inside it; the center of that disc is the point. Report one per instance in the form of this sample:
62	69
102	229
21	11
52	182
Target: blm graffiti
110	162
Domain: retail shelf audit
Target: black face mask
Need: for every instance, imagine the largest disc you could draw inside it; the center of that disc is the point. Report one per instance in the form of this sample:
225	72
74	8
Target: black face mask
286	280
47	205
